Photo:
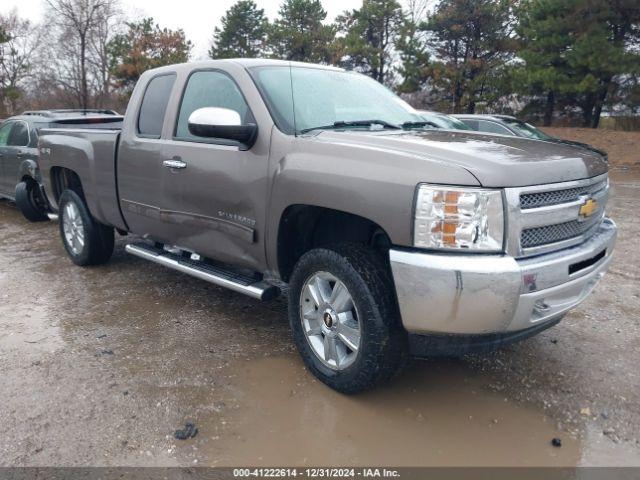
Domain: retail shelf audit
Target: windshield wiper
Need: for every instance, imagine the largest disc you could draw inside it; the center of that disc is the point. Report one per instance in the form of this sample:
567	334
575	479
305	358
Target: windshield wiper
422	124
353	123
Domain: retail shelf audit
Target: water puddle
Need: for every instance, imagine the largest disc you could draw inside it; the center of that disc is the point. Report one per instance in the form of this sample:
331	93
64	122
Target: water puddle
435	414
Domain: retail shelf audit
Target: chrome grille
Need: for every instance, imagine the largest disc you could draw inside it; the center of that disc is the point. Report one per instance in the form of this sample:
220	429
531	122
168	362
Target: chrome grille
534	237
546	218
556	197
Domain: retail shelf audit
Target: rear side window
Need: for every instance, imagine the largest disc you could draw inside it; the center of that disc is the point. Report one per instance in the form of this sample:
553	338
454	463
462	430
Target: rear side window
472	124
210	89
492	127
19	135
154	106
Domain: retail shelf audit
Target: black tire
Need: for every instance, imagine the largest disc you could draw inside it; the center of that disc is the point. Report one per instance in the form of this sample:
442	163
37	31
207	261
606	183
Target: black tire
30	202
98	238
383	341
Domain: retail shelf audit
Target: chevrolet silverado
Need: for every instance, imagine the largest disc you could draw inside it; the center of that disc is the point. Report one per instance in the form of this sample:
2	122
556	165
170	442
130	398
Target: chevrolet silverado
394	238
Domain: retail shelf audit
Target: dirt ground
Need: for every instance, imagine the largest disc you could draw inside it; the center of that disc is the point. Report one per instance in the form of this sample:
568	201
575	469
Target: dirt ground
100	366
622	147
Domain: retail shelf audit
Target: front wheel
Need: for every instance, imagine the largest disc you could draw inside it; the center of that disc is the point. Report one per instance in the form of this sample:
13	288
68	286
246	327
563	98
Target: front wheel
30	201
344	318
87	241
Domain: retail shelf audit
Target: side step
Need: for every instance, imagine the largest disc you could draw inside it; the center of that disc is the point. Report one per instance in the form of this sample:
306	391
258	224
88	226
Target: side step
53	217
218	275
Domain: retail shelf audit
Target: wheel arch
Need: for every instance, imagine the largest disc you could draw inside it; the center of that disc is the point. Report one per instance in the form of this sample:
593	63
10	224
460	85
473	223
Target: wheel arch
62	179
303	227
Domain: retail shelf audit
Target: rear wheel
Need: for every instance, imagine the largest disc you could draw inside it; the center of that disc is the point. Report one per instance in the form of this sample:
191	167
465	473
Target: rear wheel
87	241
30	201
344	318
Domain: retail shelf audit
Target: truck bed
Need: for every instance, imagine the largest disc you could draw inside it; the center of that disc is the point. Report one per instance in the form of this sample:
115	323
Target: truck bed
92	154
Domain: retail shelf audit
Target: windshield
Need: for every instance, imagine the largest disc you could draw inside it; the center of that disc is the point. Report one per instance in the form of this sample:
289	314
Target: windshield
444	121
526	130
304	98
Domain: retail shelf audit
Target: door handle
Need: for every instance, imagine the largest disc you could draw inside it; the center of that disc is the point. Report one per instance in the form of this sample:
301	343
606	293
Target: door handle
174	164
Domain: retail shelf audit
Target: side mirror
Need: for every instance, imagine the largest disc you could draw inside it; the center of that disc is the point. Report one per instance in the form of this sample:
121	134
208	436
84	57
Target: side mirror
212	122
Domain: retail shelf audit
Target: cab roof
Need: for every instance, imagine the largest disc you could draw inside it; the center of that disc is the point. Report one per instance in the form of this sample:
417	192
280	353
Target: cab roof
244	62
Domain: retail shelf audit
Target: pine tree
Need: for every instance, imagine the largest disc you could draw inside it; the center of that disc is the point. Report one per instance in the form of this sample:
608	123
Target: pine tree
546	37
243	32
299	34
412	48
370	33
581	50
472	41
606	47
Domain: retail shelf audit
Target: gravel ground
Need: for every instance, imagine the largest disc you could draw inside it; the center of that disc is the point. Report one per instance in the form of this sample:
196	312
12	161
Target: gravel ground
100	366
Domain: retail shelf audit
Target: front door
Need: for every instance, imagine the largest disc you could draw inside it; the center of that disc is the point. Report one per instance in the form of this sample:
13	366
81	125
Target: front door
19	151
215	199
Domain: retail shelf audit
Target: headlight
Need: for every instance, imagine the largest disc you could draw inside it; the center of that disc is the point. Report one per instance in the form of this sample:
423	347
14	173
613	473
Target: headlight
458	218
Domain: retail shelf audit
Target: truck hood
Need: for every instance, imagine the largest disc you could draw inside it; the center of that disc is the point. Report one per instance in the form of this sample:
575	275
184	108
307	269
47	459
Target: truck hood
495	160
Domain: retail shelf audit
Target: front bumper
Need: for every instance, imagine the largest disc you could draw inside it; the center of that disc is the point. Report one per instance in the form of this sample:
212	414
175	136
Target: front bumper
469	294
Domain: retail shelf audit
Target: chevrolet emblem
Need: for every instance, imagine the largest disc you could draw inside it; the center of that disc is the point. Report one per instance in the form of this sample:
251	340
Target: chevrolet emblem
588	208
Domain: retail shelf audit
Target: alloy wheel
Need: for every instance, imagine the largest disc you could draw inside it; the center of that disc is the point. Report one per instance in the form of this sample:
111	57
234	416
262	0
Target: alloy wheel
330	320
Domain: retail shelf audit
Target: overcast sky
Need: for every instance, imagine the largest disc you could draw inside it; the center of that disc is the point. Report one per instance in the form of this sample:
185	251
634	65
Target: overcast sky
196	17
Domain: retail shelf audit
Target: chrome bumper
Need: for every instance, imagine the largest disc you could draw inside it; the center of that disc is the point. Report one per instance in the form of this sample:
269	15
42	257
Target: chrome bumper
476	294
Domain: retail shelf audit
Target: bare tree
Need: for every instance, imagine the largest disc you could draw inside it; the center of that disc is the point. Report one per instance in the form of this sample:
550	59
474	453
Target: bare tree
17	54
417	10
109	24
79	24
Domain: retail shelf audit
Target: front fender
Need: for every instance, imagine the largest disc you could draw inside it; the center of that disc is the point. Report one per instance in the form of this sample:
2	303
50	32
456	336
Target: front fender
375	184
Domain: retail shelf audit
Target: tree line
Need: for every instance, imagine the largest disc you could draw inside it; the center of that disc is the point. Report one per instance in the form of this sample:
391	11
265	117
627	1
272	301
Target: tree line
542	59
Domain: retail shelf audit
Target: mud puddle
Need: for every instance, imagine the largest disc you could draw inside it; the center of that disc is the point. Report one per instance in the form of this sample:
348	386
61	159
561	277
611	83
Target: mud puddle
434	414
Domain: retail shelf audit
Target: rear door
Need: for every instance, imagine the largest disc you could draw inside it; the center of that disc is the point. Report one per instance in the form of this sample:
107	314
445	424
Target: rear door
140	156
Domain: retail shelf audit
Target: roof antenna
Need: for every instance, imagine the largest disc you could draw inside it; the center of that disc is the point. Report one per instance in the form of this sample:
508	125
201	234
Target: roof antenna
293	102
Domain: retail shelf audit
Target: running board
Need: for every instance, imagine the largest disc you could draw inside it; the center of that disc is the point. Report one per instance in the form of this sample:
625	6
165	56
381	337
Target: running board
52	216
218	275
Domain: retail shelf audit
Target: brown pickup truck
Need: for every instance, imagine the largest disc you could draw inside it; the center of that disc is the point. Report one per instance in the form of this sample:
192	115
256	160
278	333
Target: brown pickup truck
394	238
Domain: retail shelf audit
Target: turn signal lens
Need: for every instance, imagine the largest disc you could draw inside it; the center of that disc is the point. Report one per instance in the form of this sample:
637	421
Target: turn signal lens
460	218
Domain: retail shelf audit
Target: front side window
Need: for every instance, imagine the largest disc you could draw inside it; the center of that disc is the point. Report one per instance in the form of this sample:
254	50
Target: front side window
435	119
154	105
209	88
492	127
445	121
303	98
4	133
19	135
454	123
